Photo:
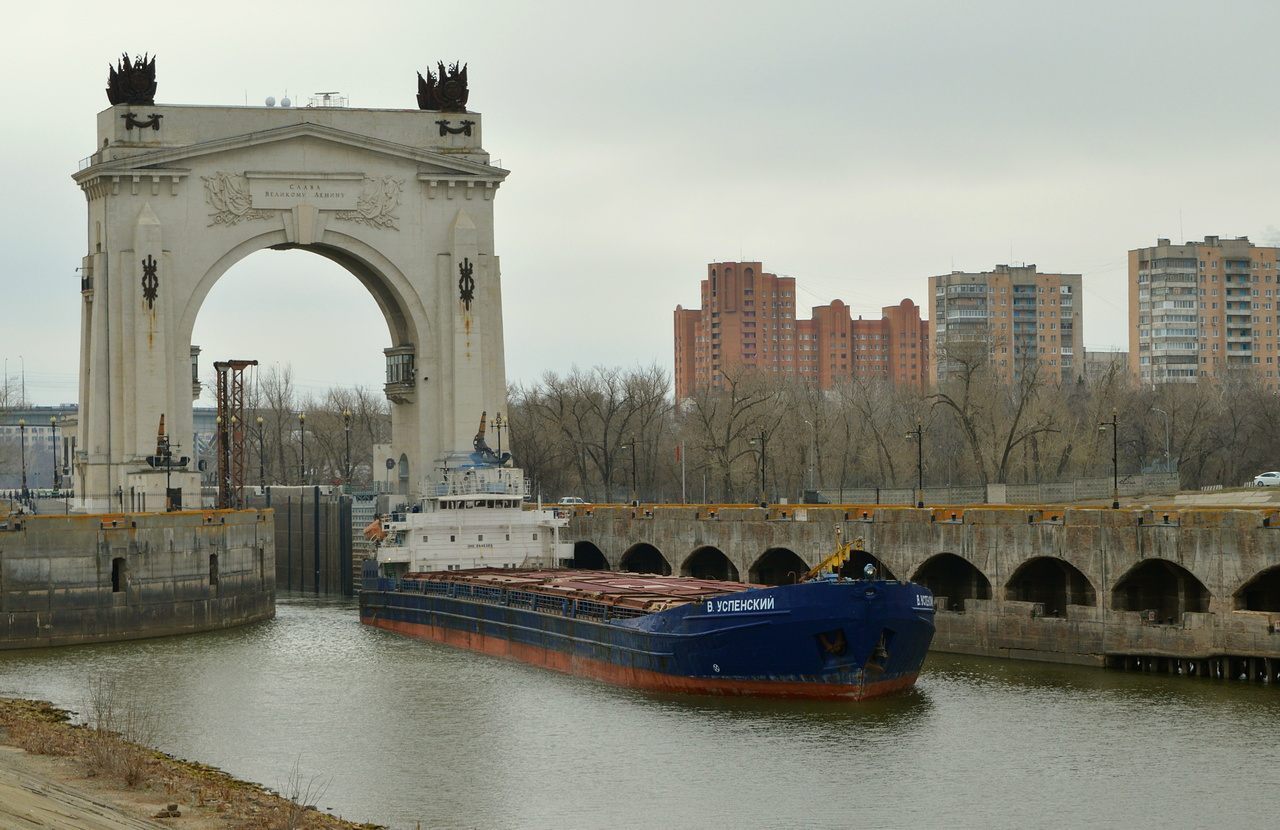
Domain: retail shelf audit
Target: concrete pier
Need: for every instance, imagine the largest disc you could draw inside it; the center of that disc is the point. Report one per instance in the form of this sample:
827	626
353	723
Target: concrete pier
119	576
1191	591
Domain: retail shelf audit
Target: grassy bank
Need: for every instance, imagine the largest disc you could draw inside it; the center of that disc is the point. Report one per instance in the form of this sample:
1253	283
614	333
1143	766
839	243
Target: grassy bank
143	782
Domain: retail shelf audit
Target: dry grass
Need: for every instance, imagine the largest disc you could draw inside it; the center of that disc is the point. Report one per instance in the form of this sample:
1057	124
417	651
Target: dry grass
103	749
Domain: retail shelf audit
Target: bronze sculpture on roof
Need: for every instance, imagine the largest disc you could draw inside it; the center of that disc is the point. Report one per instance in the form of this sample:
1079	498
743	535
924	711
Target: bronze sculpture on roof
132	83
445	92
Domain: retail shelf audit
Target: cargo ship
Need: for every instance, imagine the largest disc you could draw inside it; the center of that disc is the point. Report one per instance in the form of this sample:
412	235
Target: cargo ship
470	566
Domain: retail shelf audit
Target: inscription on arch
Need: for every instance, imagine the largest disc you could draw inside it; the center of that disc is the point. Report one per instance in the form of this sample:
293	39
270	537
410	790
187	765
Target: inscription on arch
353	197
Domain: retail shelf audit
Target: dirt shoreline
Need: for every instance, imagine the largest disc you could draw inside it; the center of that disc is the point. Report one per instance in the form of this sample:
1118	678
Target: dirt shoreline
57	774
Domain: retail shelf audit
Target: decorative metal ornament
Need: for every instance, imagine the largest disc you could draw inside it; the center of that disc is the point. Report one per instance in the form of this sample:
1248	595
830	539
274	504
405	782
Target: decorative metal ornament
466	283
150	282
445	129
131	120
132	83
445	92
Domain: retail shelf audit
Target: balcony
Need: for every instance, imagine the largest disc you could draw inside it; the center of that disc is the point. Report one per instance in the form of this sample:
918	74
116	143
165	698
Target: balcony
401	374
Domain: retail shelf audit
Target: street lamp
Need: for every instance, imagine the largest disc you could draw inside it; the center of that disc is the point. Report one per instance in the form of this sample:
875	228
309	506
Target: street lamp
302	437
53	430
1114	425
813	440
262	470
498	424
1166	436
346	428
22	437
635	502
764	499
167	455
918	435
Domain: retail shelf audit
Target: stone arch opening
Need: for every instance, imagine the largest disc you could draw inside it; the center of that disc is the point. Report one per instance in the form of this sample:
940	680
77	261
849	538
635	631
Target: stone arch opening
777	566
953	580
644	558
402	474
1262	593
588	557
330	268
709	562
264	292
1163	589
1054	582
390	290
855	566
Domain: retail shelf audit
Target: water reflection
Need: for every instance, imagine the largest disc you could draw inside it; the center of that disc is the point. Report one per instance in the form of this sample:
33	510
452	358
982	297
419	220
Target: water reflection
403	731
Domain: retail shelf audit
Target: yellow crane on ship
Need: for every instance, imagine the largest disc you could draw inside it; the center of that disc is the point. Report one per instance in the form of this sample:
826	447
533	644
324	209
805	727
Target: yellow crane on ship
837	558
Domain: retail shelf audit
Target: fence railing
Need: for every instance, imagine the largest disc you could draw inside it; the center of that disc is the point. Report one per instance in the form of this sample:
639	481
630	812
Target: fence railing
1082	489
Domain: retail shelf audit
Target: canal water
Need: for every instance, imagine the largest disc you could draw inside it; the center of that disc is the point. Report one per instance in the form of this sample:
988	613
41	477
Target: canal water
406	733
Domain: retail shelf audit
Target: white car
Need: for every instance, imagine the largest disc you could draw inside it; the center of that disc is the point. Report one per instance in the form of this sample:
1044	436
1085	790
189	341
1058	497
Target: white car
1267	479
571	501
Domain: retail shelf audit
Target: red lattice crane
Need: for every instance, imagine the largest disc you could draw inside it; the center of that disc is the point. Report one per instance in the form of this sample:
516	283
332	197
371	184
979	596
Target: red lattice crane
231	432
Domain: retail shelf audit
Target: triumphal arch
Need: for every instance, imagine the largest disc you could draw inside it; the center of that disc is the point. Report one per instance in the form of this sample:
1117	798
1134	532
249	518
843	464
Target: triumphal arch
178	194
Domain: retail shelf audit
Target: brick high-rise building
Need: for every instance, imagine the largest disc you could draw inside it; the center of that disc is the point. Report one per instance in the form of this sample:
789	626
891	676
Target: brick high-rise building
1023	315
1199	310
748	321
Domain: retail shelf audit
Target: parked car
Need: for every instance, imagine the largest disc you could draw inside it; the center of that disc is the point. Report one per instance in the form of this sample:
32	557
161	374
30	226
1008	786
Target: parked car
1267	479
571	501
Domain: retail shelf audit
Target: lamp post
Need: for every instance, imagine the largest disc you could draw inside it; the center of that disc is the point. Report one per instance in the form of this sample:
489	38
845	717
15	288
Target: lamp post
918	435
346	429
302	438
498	424
1166	436
813	441
167	455
22	437
1114	426
635	502
53	431
764	499
262	470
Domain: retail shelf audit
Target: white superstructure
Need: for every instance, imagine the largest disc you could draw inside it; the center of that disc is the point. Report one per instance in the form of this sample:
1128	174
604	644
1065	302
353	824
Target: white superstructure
474	516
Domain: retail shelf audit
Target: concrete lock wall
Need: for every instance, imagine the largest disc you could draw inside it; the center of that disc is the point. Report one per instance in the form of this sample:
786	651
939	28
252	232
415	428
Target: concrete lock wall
103	577
1167	583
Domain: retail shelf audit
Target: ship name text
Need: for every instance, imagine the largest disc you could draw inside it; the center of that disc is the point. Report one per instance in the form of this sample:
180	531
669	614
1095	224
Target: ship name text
719	606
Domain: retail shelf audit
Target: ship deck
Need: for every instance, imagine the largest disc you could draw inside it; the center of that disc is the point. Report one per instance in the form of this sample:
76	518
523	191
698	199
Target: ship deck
647	593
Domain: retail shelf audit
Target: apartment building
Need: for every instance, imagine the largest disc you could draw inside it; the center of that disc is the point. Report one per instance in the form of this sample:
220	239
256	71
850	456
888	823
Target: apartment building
748	321
1025	318
1202	310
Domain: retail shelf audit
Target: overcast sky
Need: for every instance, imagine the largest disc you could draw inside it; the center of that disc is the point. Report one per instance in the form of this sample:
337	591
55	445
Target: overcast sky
859	147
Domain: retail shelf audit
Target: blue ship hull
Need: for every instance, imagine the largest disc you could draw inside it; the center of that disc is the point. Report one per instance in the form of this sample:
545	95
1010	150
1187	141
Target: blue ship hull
826	639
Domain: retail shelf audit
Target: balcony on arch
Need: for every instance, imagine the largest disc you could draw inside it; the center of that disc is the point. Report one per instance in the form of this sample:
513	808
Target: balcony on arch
401	374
